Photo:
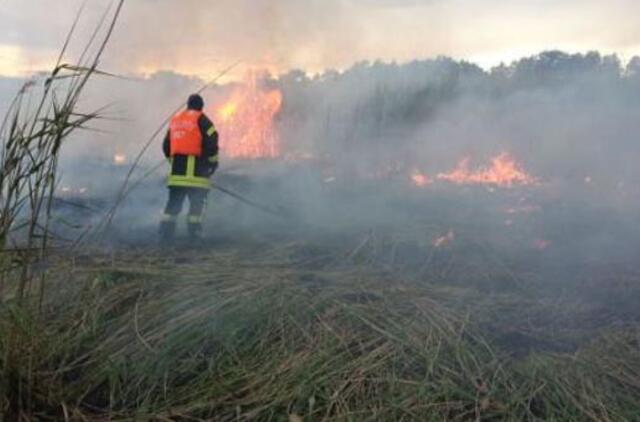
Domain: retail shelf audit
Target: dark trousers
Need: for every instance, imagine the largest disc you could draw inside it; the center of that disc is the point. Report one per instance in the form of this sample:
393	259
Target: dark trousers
197	204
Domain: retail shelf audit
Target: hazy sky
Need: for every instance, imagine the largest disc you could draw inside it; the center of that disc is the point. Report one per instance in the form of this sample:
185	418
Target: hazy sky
200	37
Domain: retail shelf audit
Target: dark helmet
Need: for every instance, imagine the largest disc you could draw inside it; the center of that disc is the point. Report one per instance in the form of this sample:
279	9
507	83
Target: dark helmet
195	102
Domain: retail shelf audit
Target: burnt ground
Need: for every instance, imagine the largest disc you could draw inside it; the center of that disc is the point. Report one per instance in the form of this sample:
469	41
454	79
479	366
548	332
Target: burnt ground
541	268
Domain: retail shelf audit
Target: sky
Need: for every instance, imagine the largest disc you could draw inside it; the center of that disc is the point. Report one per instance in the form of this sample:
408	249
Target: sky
199	37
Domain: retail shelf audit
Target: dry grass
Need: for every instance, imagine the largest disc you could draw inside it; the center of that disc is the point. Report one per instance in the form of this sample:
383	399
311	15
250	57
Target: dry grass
294	331
31	137
227	335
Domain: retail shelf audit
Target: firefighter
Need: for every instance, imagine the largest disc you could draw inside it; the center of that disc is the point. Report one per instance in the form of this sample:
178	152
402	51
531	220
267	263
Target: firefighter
191	146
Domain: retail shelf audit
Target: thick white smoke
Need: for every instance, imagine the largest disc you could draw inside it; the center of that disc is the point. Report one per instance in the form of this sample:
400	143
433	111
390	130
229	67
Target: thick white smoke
570	120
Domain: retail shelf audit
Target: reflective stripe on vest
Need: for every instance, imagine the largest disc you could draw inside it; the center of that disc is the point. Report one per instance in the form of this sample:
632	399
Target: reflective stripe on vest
185	137
189	179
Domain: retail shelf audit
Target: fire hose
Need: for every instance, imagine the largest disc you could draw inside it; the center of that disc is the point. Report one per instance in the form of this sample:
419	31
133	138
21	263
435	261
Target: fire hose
279	212
126	188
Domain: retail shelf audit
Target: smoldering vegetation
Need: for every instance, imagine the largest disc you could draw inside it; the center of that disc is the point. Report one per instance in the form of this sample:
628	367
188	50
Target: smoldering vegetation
368	296
564	116
351	141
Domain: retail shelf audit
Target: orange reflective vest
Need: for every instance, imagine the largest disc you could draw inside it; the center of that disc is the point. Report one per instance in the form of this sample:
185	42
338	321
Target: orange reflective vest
185	135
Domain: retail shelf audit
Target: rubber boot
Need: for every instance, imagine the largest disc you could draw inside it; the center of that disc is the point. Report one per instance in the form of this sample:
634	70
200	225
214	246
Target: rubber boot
195	233
167	232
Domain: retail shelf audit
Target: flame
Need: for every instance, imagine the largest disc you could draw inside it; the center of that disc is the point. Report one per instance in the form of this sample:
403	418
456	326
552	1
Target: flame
228	110
504	172
444	240
420	179
119	159
246	120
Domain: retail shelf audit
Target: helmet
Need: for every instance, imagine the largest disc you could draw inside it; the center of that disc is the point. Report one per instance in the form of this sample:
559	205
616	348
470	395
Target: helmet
195	102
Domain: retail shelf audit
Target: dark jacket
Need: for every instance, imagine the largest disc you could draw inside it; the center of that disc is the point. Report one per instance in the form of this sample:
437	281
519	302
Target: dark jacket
204	166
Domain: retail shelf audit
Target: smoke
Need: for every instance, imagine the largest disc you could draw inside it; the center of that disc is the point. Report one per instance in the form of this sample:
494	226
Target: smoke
197	37
194	37
9	88
564	116
354	138
571	120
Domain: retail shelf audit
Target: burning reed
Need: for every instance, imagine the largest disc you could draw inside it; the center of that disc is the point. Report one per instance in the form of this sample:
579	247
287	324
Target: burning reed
424	307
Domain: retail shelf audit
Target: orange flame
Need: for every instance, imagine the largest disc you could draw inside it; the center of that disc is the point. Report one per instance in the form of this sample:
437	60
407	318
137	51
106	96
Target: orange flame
420	179
119	159
504	172
246	121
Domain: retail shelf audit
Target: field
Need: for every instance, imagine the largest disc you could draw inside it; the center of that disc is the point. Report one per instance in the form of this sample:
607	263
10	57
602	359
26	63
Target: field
363	293
441	304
